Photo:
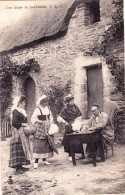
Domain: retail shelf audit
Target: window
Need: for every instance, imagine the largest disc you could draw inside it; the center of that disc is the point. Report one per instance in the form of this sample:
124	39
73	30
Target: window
92	12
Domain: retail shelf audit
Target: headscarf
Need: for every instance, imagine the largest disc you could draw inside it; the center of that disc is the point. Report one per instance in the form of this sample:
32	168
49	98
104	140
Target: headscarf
15	102
41	98
15	106
68	98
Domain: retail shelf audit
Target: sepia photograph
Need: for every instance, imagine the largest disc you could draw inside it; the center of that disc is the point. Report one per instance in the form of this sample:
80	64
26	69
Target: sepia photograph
62	104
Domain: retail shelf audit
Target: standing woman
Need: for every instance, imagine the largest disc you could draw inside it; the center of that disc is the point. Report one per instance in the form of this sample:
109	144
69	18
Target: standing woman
68	116
42	118
19	119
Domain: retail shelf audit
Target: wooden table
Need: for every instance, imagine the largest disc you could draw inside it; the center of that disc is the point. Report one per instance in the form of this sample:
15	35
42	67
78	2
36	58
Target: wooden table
94	140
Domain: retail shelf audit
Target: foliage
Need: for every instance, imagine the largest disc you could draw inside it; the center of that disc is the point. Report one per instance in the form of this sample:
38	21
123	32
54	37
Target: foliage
117	70
114	31
56	95
8	67
112	34
7	70
29	65
118	127
6	83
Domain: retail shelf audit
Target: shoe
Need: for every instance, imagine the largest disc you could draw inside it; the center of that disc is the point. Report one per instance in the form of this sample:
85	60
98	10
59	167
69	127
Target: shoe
35	165
70	158
19	171
25	169
46	163
77	158
87	161
89	156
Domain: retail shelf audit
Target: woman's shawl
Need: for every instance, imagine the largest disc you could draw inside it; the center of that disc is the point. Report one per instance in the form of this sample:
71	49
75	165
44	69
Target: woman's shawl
25	144
70	113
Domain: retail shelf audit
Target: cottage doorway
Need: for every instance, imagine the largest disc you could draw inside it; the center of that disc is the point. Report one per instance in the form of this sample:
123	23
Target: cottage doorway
30	93
94	87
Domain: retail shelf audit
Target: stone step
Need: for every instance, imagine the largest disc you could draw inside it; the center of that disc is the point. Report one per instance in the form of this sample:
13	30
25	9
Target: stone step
123	117
121	109
123	122
123	126
121	103
123	114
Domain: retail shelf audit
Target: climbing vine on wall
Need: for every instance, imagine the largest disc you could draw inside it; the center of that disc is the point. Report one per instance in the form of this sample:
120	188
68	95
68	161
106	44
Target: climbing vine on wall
56	95
115	32
8	69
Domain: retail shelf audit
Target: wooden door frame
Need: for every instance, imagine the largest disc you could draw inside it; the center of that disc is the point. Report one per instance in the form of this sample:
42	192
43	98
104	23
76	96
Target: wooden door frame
89	87
80	82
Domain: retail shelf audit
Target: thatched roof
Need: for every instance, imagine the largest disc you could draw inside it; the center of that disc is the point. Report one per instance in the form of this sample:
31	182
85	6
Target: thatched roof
36	25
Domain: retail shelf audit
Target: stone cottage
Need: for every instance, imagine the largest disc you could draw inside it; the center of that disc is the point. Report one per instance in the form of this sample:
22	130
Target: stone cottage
62	43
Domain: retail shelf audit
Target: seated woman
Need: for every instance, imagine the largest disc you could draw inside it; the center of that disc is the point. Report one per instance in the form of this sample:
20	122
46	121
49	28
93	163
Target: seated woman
19	120
67	116
42	118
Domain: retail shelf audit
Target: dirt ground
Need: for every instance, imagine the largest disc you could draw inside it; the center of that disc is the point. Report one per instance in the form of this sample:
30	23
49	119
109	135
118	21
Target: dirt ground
62	178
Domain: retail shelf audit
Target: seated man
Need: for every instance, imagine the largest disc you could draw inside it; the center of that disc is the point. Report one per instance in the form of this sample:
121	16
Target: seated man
101	122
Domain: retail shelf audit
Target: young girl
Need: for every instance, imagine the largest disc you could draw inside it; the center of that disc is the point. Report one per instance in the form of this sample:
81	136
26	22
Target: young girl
42	118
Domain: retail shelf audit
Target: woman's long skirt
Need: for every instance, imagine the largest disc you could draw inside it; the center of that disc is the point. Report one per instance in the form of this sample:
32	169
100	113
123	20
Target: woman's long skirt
68	130
17	156
42	149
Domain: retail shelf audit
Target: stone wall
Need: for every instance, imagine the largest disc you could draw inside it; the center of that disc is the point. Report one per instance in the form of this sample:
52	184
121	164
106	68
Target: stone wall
57	57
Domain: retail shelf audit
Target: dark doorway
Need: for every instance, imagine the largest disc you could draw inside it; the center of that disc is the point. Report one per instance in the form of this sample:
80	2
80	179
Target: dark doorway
94	12
94	87
30	93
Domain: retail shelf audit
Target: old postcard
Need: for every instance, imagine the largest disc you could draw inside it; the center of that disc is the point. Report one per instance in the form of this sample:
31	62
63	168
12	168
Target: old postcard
62	97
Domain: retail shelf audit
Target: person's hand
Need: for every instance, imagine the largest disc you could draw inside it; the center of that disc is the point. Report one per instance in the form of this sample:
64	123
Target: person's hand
66	124
24	124
39	121
90	129
86	128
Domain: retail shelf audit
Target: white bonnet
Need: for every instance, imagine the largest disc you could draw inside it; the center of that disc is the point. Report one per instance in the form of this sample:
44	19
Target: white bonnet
15	102
41	98
68	98
15	106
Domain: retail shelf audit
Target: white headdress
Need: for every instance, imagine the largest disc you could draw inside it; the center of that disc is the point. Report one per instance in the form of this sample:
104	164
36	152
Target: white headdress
15	106
68	98
41	98
15	102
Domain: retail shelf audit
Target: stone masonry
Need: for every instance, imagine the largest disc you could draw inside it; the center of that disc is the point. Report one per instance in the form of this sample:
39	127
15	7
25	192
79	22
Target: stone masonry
62	59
